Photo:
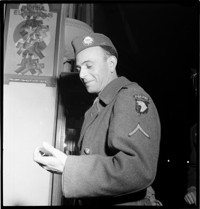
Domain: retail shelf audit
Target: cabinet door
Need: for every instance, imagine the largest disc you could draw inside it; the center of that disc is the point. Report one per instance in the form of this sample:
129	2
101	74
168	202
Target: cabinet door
29	119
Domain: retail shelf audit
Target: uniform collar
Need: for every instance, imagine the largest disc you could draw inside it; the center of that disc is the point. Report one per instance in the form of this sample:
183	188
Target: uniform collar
111	90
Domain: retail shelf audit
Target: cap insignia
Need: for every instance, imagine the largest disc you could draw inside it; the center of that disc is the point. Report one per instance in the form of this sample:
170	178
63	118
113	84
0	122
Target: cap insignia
88	41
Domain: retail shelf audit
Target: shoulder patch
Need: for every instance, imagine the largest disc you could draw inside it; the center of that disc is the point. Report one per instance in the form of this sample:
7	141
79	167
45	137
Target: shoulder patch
141	104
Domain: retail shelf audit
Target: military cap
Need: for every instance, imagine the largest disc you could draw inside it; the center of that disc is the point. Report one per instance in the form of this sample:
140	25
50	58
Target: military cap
80	43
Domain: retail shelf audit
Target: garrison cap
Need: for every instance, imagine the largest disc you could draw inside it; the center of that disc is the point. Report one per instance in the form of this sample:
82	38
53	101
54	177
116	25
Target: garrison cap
80	43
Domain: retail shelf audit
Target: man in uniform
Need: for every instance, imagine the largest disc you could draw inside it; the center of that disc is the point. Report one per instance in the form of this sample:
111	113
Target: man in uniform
120	136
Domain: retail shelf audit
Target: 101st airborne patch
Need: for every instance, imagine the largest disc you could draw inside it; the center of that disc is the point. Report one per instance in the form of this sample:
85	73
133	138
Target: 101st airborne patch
141	104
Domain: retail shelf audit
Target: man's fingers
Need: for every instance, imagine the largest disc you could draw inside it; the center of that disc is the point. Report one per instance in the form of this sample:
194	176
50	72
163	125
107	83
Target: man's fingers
36	154
39	157
49	148
53	162
45	152
186	199
190	198
193	197
55	152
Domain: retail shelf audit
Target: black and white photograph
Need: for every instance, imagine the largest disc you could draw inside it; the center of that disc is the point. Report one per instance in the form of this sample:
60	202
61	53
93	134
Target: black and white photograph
100	103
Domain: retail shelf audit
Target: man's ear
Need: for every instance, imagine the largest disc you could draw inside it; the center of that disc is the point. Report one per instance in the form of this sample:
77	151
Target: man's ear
112	61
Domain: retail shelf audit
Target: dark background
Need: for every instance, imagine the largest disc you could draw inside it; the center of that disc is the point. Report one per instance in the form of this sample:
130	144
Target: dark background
158	46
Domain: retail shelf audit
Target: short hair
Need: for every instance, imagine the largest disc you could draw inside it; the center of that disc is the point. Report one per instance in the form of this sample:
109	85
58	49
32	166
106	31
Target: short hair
109	51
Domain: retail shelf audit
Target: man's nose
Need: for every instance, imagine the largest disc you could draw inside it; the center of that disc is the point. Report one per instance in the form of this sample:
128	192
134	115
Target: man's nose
82	72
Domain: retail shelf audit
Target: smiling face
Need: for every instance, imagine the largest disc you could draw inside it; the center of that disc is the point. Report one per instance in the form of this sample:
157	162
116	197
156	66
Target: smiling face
96	70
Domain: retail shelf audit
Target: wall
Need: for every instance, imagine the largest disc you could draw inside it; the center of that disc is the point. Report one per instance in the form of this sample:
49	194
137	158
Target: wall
28	120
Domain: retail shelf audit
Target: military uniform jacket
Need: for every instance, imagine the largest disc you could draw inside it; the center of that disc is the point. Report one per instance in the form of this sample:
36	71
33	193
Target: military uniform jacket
119	144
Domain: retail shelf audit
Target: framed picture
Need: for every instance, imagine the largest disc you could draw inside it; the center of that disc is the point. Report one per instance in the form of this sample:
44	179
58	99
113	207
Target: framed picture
30	38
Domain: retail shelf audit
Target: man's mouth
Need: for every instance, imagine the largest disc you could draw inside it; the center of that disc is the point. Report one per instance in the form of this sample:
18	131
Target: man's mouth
87	82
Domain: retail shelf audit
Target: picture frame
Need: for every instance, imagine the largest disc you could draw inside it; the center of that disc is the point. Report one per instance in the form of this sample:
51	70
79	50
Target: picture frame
30	43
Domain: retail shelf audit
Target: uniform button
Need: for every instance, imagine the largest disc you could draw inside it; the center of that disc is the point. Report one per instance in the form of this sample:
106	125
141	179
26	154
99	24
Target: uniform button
87	151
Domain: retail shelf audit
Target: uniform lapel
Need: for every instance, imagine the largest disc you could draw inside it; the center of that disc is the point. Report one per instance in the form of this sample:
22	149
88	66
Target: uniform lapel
90	117
106	96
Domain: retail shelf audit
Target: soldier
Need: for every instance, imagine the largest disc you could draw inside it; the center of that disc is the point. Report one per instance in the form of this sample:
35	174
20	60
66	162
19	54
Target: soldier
120	137
191	193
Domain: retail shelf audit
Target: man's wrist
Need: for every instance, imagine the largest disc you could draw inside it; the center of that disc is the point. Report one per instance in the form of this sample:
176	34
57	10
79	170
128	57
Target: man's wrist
63	160
191	189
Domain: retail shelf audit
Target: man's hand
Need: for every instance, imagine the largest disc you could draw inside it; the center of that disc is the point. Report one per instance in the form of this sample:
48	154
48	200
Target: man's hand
53	162
190	197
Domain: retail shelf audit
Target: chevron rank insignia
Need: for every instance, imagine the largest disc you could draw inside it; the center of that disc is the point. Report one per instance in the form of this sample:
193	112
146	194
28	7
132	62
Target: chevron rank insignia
141	104
138	128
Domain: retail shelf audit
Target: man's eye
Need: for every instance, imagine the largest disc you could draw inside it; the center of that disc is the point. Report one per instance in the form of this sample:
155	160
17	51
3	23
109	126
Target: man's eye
89	66
78	69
